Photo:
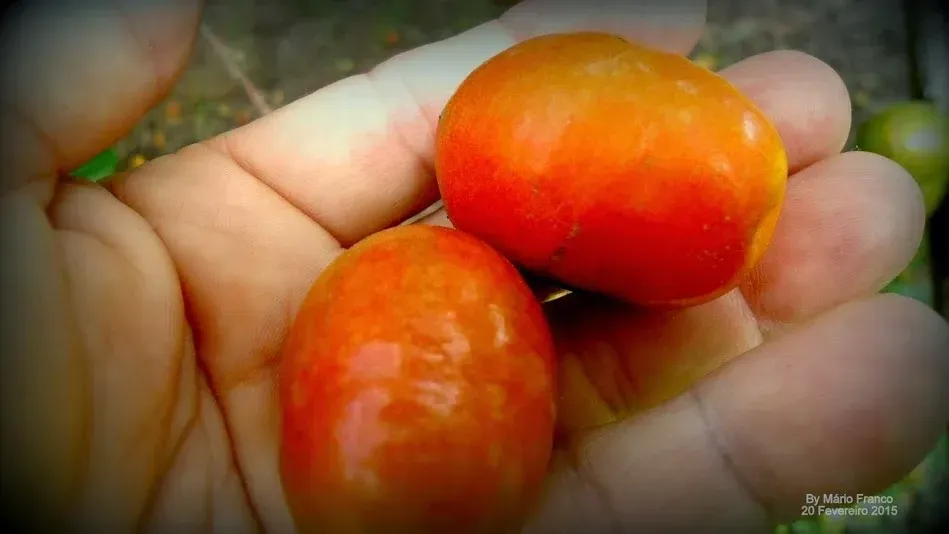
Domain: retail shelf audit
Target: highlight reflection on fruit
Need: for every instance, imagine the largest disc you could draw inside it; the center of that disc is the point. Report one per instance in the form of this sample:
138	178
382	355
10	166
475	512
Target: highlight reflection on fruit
612	167
417	389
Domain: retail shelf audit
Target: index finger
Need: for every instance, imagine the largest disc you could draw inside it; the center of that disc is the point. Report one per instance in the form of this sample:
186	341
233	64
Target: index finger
356	156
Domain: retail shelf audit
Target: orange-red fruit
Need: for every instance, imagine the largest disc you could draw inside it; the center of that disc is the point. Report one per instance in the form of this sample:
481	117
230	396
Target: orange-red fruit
612	167
417	389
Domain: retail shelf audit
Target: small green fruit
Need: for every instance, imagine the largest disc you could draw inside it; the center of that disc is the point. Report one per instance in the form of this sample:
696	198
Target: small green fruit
914	134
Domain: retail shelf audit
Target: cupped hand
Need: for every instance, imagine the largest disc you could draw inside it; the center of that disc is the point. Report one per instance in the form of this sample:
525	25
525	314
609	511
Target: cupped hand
142	321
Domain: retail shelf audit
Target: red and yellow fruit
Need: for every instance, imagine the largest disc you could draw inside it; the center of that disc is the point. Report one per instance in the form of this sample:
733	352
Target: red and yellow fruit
612	167
417	388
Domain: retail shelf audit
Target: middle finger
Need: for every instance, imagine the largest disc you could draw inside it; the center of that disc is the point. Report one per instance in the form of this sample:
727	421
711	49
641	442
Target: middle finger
850	222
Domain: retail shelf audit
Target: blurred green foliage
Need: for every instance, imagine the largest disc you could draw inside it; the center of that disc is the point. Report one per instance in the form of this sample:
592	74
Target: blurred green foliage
99	167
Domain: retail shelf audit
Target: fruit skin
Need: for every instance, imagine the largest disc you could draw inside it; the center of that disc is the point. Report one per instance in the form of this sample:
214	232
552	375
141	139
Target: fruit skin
417	389
613	168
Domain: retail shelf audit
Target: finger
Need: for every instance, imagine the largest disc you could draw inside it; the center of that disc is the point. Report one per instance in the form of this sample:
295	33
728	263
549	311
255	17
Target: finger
805	99
357	156
847	405
849	225
78	77
43	391
124	287
616	360
246	258
803	96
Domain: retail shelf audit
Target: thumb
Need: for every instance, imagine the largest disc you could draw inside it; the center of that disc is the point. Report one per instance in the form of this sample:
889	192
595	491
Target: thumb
75	77
78	75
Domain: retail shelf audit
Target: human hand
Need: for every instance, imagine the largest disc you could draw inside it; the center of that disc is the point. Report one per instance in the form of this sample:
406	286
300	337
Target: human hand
142	322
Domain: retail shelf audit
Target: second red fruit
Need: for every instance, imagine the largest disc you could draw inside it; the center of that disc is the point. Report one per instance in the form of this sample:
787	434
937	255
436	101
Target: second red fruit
417	389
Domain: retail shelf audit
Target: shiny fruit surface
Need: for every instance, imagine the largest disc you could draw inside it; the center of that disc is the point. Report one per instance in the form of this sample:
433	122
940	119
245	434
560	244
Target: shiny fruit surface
612	167
417	390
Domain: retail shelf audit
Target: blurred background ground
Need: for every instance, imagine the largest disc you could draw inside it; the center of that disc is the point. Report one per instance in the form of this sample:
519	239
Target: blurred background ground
286	49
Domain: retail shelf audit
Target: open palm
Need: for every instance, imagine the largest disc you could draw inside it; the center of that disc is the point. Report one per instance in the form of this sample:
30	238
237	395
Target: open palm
142	322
